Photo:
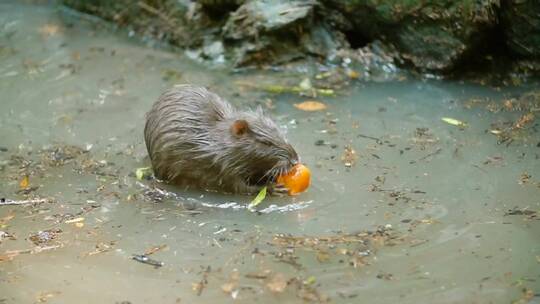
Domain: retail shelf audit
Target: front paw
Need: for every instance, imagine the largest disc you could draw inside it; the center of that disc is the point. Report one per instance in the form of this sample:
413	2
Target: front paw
277	190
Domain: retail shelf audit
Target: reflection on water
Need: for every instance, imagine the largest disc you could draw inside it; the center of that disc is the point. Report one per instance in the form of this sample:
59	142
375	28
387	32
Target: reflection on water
435	198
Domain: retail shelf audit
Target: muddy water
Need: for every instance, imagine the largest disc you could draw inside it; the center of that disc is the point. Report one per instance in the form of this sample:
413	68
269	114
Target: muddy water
442	192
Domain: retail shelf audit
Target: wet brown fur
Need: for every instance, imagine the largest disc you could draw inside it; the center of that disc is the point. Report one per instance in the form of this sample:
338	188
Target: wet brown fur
196	138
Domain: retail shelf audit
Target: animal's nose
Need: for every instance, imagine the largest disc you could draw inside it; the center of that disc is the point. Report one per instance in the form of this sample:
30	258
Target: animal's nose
295	159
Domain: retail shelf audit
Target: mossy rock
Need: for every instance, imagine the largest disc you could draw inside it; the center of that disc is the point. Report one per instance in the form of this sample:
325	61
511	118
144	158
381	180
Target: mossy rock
431	35
521	23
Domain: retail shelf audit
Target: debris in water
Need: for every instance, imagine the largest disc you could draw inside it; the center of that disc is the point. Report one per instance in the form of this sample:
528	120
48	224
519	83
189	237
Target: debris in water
155	249
198	287
353	74
530	214
306	290
101	248
258	199
6	235
323	256
310	105
281	89
385	276
259	275
171	75
423	137
60	155
146	260
310	280
48	30
358	247
277	283
524	120
45	296
7	202
24	183
349	156
454	122
526	297
10	254
143	173
4	220
231	287
524	178
75	220
45	237
426	156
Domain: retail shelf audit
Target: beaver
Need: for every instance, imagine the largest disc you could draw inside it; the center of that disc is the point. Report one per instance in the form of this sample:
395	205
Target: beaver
196	138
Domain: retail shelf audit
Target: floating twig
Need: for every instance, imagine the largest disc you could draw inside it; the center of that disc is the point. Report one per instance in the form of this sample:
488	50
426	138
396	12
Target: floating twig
141	258
377	140
8	202
426	156
10	254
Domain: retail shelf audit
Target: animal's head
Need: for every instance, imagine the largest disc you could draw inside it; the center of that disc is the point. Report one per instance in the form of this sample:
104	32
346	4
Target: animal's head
256	148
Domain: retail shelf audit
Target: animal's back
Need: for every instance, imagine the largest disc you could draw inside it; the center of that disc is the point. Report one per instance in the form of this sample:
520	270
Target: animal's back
178	130
195	138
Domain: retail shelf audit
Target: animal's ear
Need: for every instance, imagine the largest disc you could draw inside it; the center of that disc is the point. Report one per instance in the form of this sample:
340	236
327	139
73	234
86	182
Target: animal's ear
239	127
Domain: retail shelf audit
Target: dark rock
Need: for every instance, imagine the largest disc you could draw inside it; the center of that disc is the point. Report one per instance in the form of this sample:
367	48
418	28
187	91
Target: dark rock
520	20
373	37
165	20
218	8
276	31
431	35
258	17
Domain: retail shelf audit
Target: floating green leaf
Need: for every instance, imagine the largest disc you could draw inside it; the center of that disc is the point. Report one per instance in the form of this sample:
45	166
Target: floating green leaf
142	173
310	280
258	199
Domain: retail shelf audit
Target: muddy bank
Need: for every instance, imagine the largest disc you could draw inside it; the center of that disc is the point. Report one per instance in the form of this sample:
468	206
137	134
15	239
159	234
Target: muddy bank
439	37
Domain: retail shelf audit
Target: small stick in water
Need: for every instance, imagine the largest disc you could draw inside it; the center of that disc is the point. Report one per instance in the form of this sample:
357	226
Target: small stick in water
377	140
7	202
426	156
141	258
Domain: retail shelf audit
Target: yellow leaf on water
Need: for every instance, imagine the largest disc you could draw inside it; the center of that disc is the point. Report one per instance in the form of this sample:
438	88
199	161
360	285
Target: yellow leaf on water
277	283
323	256
79	225
49	29
353	74
310	105
229	287
75	220
25	182
45	296
454	122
